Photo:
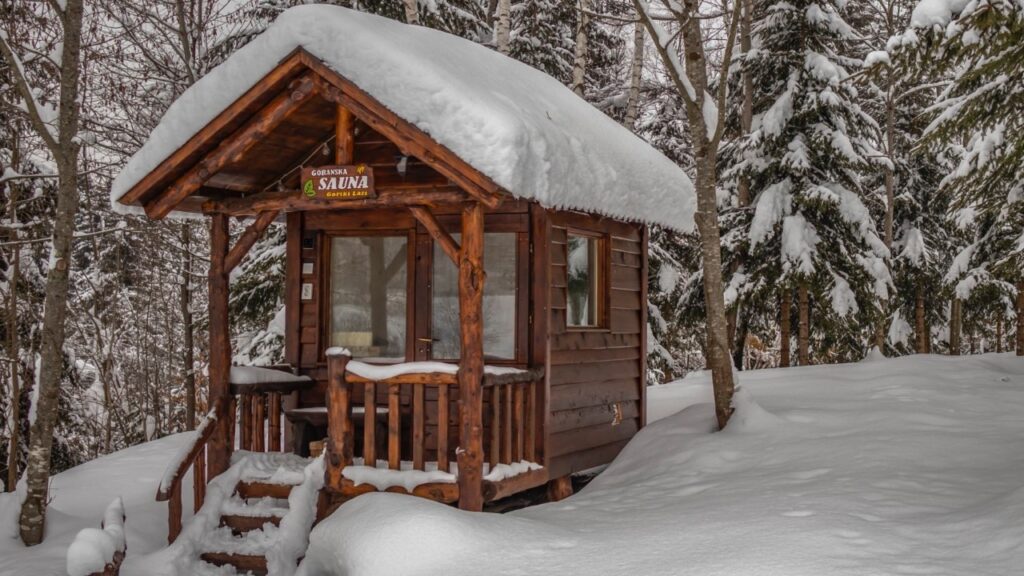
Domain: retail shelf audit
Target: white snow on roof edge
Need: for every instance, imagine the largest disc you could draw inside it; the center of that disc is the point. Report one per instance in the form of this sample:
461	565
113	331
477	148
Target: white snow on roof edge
526	131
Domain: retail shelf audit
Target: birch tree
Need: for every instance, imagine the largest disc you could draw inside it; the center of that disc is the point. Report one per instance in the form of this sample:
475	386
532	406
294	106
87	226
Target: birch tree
705	115
57	126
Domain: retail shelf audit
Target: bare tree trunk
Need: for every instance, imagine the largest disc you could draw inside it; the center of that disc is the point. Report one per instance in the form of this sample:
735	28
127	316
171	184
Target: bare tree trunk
706	152
739	344
692	84
738	326
13	344
579	62
785	328
954	327
636	71
504	26
919	323
412	13
804	334
1020	318
999	333
890	199
185	301
65	147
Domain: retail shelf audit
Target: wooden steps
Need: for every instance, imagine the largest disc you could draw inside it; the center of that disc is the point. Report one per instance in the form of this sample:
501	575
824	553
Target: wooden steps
235	549
241	524
263	489
256	564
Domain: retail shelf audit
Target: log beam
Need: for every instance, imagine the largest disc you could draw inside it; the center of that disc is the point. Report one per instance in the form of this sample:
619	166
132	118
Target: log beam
293	201
219	127
232	149
425	217
471	366
406	136
248	238
344	137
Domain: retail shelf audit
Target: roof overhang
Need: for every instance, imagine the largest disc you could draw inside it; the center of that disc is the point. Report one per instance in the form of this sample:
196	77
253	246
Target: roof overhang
295	102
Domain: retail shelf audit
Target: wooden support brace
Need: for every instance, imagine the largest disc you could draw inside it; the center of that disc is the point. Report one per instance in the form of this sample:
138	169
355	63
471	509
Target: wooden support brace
248	238
425	217
293	200
231	149
406	136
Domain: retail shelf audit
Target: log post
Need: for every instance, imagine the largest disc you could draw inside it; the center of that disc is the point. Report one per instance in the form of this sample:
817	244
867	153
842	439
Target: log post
339	420
471	367
219	450
559	488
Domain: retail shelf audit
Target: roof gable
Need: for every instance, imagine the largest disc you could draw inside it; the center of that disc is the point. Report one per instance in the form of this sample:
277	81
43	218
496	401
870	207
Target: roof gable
515	127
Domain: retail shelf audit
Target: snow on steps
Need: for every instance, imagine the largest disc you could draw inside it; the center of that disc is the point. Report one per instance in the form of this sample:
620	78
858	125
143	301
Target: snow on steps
256	518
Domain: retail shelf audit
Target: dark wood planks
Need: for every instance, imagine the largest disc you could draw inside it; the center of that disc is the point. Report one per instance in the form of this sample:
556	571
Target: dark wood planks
596	375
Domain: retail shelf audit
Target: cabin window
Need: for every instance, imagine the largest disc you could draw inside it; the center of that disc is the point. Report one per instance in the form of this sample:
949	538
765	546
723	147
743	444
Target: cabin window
499	310
583	281
369	293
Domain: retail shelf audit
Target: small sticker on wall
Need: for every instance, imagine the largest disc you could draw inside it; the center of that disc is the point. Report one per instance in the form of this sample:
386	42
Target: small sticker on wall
307	268
307	291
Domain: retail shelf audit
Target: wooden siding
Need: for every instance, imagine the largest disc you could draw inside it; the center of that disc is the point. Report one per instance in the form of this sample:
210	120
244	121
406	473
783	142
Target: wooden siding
596	374
593	376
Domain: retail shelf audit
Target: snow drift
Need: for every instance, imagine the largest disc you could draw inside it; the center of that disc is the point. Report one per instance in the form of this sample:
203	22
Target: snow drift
902	466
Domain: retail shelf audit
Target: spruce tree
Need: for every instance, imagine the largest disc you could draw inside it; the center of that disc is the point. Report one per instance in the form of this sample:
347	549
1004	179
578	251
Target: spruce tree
812	229
979	47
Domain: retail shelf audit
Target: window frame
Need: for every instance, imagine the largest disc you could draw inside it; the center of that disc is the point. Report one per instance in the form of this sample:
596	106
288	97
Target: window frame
517	223
326	288
603	296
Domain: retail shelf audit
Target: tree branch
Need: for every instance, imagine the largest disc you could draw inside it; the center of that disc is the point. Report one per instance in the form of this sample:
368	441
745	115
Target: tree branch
32	106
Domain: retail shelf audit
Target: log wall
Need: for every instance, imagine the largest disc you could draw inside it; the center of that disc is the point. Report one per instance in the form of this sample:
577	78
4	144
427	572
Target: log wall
596	375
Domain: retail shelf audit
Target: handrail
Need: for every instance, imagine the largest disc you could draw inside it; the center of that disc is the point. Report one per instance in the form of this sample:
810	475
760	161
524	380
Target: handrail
170	486
428	378
203	433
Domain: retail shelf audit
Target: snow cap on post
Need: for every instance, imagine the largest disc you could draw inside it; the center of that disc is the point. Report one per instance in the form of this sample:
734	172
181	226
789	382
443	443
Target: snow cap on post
521	128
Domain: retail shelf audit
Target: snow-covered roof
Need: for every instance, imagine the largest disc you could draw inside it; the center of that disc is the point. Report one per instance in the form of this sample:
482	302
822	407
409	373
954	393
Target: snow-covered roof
523	129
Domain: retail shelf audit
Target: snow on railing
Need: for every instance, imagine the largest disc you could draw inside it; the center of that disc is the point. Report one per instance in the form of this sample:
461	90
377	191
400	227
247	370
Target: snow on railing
99	551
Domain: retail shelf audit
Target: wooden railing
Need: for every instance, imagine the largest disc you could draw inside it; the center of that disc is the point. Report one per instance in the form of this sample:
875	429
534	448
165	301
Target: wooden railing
260	411
193	456
513	417
405	400
259	415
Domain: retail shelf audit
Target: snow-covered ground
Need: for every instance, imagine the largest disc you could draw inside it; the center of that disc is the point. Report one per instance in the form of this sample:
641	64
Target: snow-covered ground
903	467
79	498
888	467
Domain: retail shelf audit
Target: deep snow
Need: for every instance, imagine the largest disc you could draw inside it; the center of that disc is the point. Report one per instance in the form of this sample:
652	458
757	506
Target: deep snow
906	466
79	498
887	467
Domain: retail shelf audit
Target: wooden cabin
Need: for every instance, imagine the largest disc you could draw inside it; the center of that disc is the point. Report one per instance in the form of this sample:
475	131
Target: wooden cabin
462	292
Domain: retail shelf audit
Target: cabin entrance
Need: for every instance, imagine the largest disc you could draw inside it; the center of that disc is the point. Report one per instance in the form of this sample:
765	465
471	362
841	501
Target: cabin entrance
393	295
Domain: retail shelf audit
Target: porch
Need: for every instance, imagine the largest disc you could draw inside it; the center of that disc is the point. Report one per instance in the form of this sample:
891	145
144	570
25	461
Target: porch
402	417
